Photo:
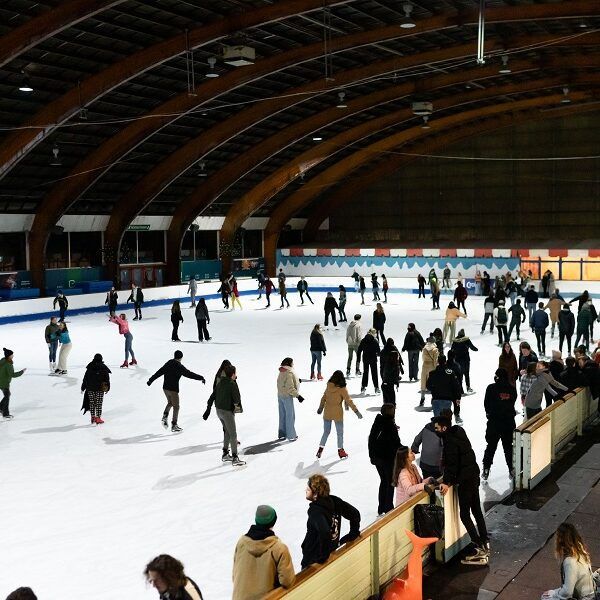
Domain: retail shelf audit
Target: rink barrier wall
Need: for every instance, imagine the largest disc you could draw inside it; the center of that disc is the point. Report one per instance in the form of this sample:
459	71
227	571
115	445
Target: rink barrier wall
538	442
361	569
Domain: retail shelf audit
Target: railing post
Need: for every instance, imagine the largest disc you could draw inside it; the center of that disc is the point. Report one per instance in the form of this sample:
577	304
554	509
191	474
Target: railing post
518	459
375	564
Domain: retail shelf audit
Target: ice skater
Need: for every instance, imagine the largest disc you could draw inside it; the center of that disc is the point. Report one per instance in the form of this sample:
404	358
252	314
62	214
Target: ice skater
282	289
269	286
65	349
51	337
302	288
356	278
202	319
447	283
368	349
363	288
112	299
123	325
354	337
63	305
7	374
96	383
317	351
460	295
176	318
288	386
385	287
225	291
342	304
261	283
228	403
379	322
421	283
335	397
330	307
235	294
137	297
172	371
192	290
375	287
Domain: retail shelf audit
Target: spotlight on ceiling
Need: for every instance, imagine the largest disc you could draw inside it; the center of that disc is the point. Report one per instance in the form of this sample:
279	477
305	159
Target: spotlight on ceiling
202	172
83	114
504	69
341	103
407	21
212	74
25	84
317	138
55	162
565	99
426	124
239	56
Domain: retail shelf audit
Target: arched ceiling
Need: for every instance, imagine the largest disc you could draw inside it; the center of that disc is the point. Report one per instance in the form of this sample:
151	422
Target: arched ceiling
143	143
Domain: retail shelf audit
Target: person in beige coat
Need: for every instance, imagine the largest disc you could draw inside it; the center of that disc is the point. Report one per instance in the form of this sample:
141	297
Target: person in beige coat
336	394
261	562
288	385
429	356
554	304
452	315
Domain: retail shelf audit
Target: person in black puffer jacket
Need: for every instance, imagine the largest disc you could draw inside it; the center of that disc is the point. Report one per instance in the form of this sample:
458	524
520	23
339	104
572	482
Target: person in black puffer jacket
445	389
96	383
391	365
331	306
461	346
413	344
461	470
369	350
384	442
323	527
499	404
572	377
379	322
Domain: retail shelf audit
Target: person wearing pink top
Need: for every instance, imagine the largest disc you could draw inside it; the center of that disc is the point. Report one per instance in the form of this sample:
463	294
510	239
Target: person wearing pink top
121	321
407	477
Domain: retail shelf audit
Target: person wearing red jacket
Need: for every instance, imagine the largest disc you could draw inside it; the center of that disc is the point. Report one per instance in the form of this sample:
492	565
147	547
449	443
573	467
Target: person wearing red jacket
268	289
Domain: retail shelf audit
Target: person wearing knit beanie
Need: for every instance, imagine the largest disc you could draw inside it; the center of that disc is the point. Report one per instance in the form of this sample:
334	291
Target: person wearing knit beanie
265	516
7	373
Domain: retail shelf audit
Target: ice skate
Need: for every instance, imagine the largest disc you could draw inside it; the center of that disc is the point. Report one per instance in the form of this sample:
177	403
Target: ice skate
7	417
133	362
320	451
481	556
469	390
363	390
99	421
319	377
342	453
165	422
226	457
51	368
358	372
312	376
175	428
485	474
377	391
237	462
125	365
458	420
93	420
348	373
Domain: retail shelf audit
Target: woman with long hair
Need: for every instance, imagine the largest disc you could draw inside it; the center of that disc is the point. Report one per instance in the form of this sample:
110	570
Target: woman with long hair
65	348
96	383
202	318
176	318
407	478
288	386
218	376
336	394
508	362
317	351
342	304
167	576
391	365
575	566
379	322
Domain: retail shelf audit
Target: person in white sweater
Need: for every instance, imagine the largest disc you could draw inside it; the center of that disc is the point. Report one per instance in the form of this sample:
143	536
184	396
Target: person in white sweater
354	335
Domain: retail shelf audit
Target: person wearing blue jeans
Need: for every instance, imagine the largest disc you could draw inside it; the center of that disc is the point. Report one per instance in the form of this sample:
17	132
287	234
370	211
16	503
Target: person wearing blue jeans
288	385
317	351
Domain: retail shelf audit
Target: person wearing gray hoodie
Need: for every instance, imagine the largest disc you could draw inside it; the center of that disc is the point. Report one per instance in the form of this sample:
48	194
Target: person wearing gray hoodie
354	336
429	444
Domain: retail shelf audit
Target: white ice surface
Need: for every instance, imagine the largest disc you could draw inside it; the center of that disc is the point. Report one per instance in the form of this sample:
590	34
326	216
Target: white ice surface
85	507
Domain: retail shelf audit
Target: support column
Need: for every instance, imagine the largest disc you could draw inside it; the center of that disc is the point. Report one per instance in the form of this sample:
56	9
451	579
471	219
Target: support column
270	252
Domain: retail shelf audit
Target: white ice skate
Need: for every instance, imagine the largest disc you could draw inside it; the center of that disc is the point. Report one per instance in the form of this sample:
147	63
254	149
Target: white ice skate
480	557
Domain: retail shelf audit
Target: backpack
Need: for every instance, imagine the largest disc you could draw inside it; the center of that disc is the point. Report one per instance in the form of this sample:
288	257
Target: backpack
502	316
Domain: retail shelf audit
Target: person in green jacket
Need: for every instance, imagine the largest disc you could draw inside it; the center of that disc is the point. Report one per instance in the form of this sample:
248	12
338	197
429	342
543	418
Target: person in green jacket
584	318
227	403
7	372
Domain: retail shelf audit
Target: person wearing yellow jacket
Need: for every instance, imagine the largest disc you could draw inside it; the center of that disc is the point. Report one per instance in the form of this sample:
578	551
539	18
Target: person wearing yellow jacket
261	562
452	315
554	304
429	355
336	394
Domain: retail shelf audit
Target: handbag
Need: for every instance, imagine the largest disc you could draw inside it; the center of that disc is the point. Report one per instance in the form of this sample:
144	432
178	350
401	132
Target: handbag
104	386
429	520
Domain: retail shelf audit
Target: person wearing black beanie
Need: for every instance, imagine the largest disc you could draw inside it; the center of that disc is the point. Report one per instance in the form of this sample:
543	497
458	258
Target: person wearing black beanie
7	373
499	404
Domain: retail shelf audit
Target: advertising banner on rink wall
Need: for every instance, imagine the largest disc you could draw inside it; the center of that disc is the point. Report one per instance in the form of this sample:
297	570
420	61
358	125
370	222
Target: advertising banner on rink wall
344	266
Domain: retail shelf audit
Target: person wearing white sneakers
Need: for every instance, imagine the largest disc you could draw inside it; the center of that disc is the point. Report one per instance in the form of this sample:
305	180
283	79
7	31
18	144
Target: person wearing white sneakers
121	321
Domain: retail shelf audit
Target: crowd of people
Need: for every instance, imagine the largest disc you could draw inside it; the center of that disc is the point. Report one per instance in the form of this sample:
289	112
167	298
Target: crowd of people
443	356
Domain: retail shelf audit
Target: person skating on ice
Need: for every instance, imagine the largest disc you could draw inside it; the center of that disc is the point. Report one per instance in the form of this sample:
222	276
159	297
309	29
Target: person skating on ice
335	398
202	319
446	274
269	286
391	367
330	306
63	305
64	339
235	294
137	297
112	299
584	320
283	289
123	325
379	322
354	336
261	283
51	337
452	315
531	300
435	294
460	296
517	318
288	388
581	300
488	312
508	362
375	287
96	383
461	346
445	389
362	286
413	344
318	349
192	290
342	304
369	350
499	404
539	324
225	291
7	374
281	276
429	445
385	287
429	356
176	318
218	376
228	403
421	284
302	287
500	321
172	371
356	278
461	470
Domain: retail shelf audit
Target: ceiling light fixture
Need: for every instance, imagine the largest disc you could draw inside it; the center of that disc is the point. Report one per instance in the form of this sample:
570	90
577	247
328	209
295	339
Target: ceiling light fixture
341	103
212	74
202	172
565	99
504	69
317	138
407	21
55	162
426	124
25	85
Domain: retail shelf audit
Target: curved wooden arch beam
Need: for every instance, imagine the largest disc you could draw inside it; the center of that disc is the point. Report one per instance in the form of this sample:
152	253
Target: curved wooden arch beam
49	23
301	198
61	109
353	186
278	180
57	112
